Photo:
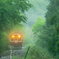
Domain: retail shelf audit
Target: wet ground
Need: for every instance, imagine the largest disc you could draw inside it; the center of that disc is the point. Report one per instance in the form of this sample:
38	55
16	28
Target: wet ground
14	53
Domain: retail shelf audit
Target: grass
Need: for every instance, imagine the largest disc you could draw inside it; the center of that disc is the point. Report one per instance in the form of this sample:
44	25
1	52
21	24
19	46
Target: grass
37	53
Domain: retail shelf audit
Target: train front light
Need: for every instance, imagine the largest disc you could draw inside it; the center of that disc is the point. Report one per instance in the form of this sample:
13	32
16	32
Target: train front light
12	36
19	36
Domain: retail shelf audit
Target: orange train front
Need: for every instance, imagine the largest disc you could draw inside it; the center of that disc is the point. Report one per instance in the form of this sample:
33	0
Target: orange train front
16	40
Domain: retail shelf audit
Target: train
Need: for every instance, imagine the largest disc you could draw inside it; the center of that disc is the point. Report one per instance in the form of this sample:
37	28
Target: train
16	40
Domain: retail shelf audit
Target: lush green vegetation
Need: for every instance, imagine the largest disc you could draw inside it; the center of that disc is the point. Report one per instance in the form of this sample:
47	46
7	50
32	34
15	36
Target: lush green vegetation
36	52
38	9
39	31
47	32
52	22
11	16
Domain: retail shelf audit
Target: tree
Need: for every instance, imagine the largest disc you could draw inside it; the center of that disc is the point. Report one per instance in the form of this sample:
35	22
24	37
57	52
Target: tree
40	32
12	13
52	22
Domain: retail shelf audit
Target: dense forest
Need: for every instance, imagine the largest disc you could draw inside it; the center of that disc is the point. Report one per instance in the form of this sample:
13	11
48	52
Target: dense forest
38	21
38	9
46	33
11	17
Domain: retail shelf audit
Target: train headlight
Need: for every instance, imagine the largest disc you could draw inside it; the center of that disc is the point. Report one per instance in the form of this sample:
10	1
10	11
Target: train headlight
19	36
12	36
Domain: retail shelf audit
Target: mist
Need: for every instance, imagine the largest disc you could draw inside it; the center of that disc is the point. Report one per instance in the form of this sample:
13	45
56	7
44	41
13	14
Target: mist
38	9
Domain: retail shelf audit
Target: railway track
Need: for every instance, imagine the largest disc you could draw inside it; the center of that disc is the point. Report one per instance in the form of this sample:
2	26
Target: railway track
17	52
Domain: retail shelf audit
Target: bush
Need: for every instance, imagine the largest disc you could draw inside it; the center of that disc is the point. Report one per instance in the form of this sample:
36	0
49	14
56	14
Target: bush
38	52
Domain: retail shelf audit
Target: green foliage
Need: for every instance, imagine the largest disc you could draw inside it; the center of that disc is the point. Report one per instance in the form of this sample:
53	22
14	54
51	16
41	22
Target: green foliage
14	57
36	52
11	15
48	34
40	22
52	21
40	32
38	9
